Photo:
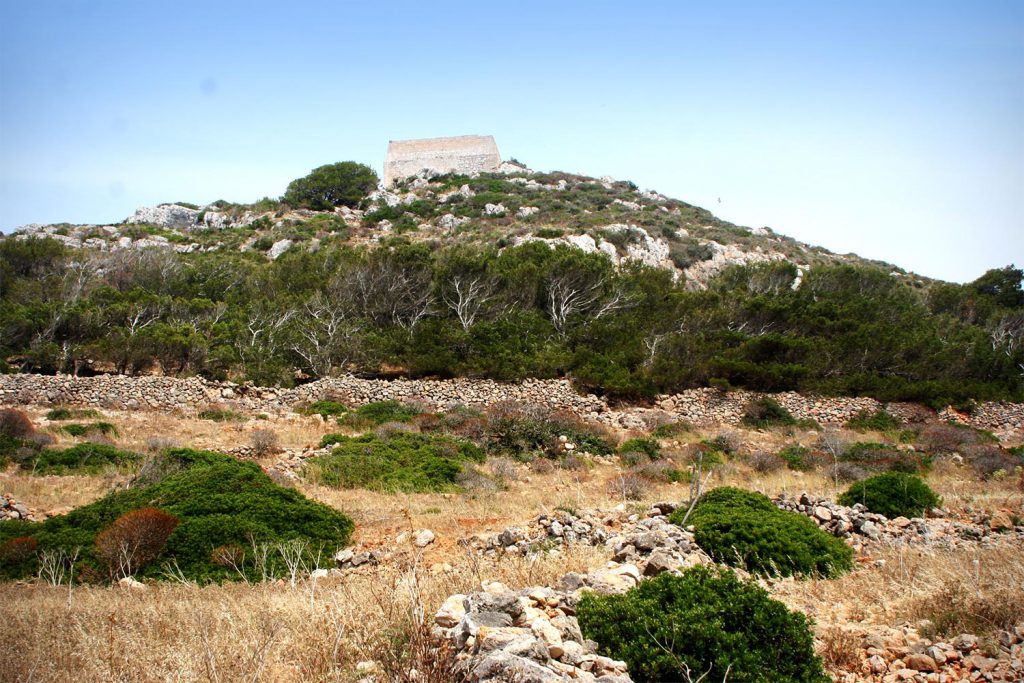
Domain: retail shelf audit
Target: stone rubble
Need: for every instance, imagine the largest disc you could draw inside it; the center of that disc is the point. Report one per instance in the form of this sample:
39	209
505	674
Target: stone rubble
12	509
700	407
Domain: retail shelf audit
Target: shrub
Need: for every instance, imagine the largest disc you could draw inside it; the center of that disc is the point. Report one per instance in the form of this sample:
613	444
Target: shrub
325	409
342	184
63	413
387	411
134	539
879	421
988	461
767	412
765	463
82	458
75	429
15	424
649	447
704	622
742	528
893	494
946	437
264	442
846	472
797	457
397	462
877	457
18	551
217	499
628	486
220	415
526	430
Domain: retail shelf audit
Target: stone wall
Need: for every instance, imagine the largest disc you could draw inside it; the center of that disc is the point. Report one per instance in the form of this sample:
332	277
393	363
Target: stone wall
699	406
462	154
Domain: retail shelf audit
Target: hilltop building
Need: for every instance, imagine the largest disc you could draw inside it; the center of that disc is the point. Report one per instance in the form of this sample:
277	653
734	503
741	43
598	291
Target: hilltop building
461	154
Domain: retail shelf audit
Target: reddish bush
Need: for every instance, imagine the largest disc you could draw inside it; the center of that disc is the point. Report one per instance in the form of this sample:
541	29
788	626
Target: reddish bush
135	538
15	423
18	550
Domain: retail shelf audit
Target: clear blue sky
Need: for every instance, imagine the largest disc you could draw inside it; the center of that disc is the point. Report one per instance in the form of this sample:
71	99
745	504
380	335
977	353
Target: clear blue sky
891	129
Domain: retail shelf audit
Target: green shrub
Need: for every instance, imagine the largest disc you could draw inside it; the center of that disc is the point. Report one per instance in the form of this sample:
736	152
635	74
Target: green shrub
325	409
220	415
649	447
745	529
893	494
797	457
217	500
767	412
396	461
878	457
879	421
80	459
549	233
379	412
706	622
76	429
63	413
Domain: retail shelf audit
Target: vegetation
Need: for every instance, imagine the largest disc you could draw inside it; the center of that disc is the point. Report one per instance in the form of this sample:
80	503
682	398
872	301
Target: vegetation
218	502
524	431
220	415
325	409
893	494
879	421
80	459
63	413
647	446
381	412
797	457
465	307
745	529
393	461
767	412
704	622
76	429
342	184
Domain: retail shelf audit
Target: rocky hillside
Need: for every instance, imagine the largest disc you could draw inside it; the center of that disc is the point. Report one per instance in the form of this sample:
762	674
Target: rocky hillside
603	216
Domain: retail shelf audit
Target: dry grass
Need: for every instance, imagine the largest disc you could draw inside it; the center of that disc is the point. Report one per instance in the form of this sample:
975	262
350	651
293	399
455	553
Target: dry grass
916	583
56	492
315	632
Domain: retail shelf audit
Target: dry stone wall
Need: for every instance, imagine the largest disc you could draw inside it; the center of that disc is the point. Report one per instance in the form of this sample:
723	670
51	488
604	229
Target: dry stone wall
461	154
699	406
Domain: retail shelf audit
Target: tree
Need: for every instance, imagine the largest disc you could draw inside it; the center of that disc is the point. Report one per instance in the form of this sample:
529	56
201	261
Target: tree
341	184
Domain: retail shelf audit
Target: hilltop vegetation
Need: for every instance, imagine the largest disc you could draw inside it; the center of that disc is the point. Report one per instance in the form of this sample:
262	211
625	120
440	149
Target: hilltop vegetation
460	276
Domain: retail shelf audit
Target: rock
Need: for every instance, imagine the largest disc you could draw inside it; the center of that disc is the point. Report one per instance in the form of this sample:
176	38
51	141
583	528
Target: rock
658	562
343	557
278	248
165	215
423	538
494	209
319	574
877	664
451	612
1000	521
921	662
130	582
965	642
823	513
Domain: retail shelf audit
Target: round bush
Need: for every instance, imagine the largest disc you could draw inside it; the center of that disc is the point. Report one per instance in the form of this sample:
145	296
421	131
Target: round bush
745	529
893	494
706	620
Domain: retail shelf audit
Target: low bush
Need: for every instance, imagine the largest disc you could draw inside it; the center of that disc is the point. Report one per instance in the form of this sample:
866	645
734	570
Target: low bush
264	442
220	415
705	623
63	413
400	461
766	463
523	431
82	458
217	500
798	458
879	421
767	412
76	429
880	457
893	494
948	437
745	529
15	424
134	539
649	447
846	472
379	412
325	409
990	461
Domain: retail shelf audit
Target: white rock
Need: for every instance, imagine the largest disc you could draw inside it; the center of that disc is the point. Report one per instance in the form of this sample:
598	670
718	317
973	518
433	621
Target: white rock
279	247
423	538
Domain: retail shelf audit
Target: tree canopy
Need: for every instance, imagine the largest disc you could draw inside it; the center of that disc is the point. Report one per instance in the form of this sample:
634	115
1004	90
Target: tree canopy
345	183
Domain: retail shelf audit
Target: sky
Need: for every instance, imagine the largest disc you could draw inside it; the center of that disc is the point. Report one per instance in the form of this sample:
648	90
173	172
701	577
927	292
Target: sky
894	130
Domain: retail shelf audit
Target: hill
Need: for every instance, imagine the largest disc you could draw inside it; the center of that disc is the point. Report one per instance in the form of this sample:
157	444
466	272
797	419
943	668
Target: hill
502	275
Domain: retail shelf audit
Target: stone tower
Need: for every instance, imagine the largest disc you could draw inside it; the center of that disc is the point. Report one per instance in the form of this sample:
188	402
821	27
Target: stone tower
462	154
